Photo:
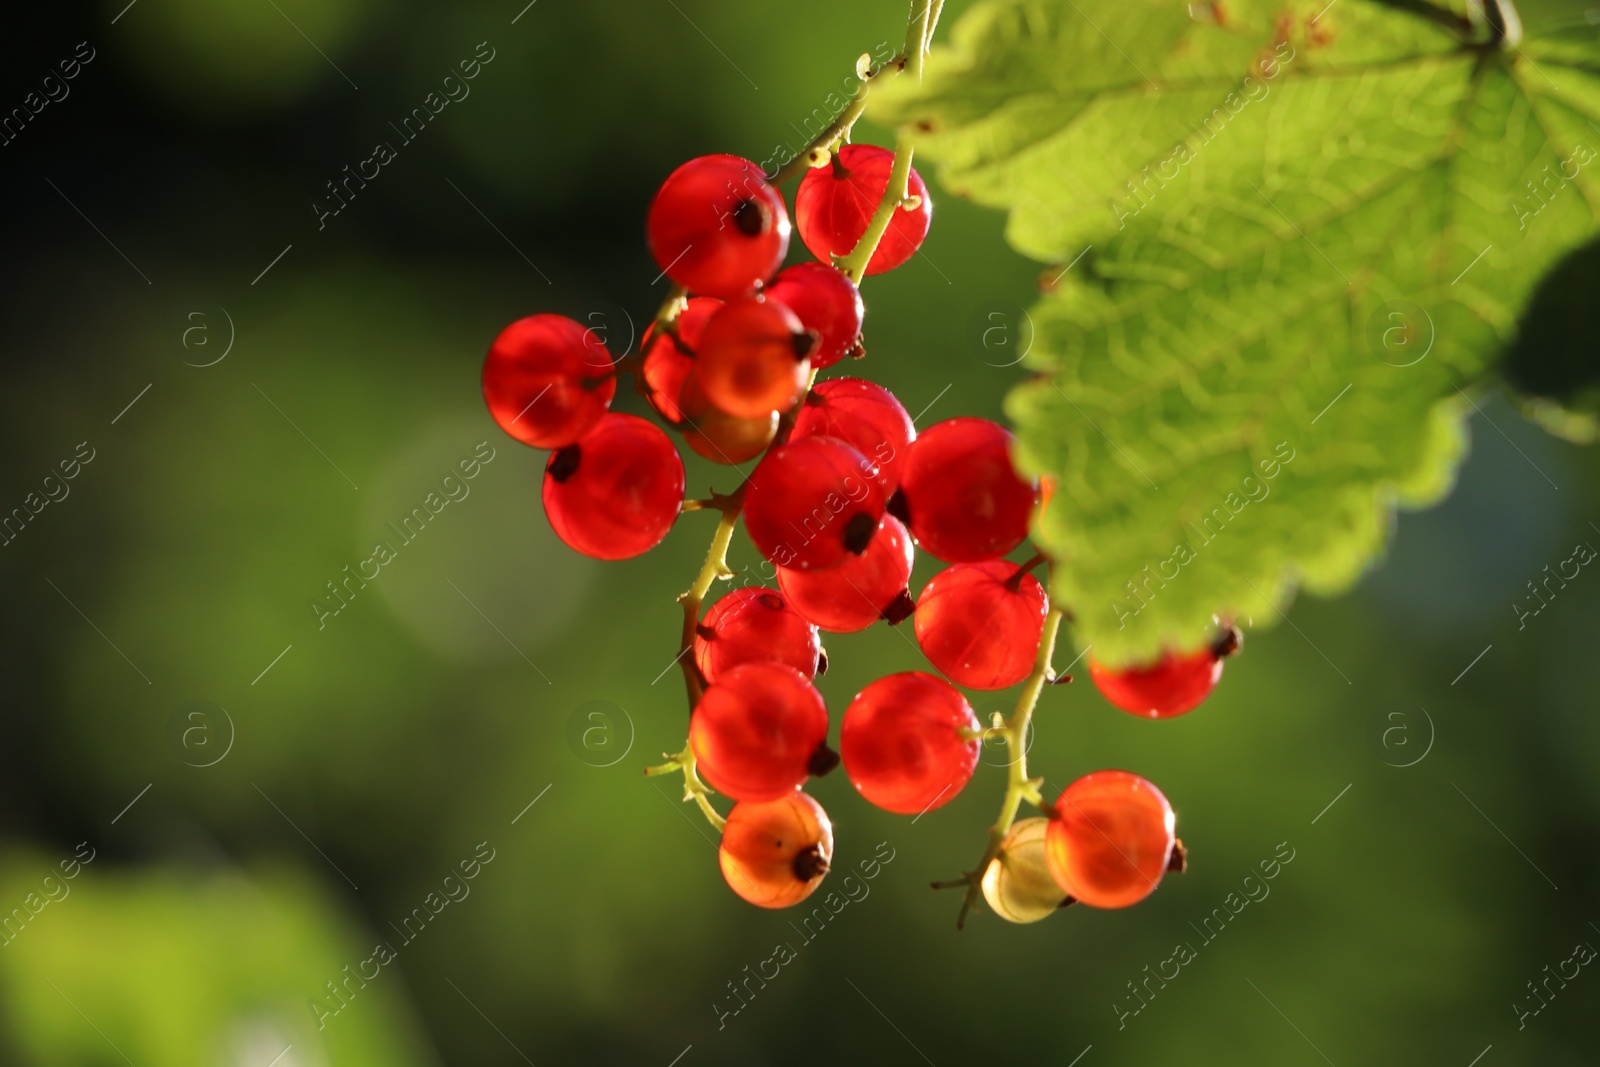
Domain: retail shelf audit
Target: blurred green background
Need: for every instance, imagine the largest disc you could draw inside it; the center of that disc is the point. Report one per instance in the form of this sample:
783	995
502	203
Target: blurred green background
261	801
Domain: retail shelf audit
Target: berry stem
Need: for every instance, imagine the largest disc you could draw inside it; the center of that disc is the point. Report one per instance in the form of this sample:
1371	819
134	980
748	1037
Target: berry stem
715	566
693	788
1019	786
919	33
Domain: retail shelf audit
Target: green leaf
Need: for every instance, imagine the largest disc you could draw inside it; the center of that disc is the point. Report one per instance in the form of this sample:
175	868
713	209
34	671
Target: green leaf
1289	240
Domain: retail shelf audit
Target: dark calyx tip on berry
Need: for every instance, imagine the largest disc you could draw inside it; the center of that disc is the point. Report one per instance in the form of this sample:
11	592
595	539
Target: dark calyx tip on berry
901	608
1230	641
750	218
1067	901
805	343
705	633
564	463
899	508
823	759
1178	858
810	863
858	532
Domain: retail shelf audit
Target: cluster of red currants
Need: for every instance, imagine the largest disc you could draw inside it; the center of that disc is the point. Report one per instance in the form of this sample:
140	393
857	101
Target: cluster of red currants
844	492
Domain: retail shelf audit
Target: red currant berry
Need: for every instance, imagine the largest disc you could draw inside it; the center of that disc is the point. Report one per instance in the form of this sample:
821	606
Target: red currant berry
1176	683
755	625
835	203
547	380
862	414
861	590
667	361
718	436
825	301
774	854
964	499
902	743
616	492
760	731
1110	839
812	504
717	228
980	623
752	358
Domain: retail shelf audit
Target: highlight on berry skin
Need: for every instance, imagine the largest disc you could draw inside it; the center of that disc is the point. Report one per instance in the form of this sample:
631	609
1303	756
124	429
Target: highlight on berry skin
1110	839
775	853
909	742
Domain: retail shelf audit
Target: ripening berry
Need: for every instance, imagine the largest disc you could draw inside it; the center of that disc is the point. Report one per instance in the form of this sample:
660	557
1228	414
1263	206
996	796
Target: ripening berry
825	301
835	203
716	435
754	625
616	492
861	590
1109	839
812	504
667	361
864	415
1176	683
959	493
773	854
980	623
902	742
1017	883
760	731
752	358
717	228
547	380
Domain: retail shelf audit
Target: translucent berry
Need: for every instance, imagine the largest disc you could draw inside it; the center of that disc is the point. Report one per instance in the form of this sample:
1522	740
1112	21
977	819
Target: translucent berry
1176	683
813	503
752	358
902	742
667	361
959	493
1017	883
862	414
760	731
861	590
1110	839
755	625
615	493
835	203
716	435
980	623
826	301
547	380
774	853
717	228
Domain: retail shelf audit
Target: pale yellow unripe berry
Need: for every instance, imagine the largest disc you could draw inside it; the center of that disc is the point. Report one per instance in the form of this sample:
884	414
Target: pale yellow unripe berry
1017	884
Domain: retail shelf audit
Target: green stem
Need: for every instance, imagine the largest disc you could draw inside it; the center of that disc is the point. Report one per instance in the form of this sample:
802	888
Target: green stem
919	31
714	567
1019	786
693	788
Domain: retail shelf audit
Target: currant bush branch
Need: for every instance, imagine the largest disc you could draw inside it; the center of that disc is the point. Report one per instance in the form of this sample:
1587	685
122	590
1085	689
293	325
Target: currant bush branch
919	31
1019	786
